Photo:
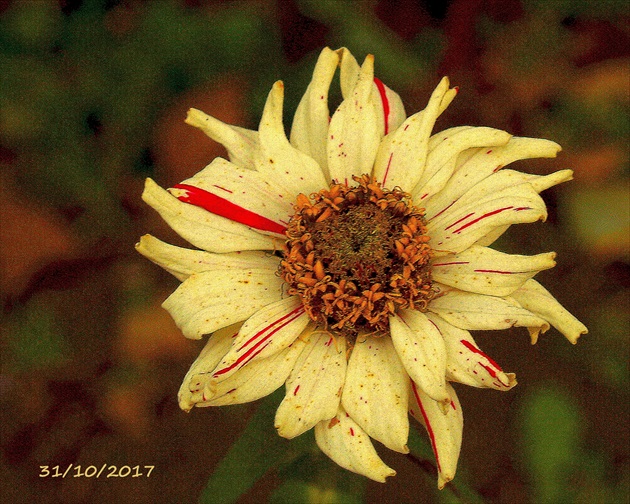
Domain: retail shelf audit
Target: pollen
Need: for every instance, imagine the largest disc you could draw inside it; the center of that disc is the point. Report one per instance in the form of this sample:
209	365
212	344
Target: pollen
356	255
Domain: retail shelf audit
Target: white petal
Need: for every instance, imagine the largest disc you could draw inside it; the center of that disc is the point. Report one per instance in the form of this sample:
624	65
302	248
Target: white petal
310	124
487	271
240	195
390	111
466	363
349	71
444	429
421	349
496	182
535	298
480	212
507	183
279	162
491	236
479	312
314	386
258	379
183	262
350	447
376	392
204	229
543	182
191	391
240	143
354	135
208	301
444	149
402	155
266	332
474	165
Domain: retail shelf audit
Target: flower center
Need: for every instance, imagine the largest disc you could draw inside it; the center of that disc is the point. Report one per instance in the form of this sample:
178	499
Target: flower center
355	255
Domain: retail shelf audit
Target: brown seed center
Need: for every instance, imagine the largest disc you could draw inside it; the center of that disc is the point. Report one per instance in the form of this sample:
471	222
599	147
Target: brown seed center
354	255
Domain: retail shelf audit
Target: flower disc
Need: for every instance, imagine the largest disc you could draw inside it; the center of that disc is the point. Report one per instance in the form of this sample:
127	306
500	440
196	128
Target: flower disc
355	255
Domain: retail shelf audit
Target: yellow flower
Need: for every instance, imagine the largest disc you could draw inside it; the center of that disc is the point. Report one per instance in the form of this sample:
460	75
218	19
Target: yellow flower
350	262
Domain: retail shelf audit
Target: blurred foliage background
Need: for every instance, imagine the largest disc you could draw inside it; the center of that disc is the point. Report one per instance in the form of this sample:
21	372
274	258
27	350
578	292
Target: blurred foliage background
93	94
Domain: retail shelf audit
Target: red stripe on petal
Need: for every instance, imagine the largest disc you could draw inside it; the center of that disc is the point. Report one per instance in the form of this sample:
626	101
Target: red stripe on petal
280	323
443	210
489	214
428	425
252	352
224	208
383	92
459	220
500	272
387	169
242	360
474	349
491	371
223	188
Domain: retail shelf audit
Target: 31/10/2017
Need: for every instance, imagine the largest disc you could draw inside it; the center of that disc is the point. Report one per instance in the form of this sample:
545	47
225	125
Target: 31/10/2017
91	471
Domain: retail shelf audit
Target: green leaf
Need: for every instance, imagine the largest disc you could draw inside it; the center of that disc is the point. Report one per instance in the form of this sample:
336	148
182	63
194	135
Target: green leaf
258	450
551	434
315	479
304	492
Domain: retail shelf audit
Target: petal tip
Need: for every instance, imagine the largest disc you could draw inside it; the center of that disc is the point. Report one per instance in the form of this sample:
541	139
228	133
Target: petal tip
443	479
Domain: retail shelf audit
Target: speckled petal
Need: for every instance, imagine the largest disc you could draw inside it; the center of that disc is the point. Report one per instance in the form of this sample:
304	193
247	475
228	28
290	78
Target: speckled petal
191	391
354	135
390	111
204	229
278	161
310	124
486	207
466	363
208	301
467	310
376	392
350	447
444	149
244	190
402	155
349	70
538	183
487	271
183	262
268	331
241	143
444	429
535	298
421	349
389	108
474	165
313	389
257	379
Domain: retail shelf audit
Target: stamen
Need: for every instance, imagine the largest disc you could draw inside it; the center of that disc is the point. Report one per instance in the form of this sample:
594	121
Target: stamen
355	255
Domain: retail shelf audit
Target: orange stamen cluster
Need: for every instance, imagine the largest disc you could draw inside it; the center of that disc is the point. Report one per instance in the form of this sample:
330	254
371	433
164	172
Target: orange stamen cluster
355	255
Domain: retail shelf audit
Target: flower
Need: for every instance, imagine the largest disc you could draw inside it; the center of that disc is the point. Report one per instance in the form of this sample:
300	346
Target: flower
350	263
